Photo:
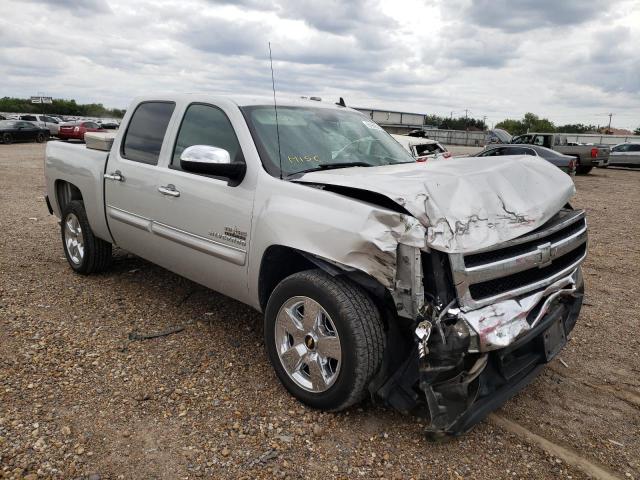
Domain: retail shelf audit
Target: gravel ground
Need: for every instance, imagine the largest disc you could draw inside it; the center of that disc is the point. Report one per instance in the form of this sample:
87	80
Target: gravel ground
78	399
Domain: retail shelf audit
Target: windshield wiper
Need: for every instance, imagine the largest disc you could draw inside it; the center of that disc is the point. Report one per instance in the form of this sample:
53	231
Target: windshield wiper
331	166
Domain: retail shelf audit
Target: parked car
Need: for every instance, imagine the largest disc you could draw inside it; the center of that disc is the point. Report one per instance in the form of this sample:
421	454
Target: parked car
21	131
625	155
422	149
587	156
2	117
440	288
43	121
76	130
108	124
565	163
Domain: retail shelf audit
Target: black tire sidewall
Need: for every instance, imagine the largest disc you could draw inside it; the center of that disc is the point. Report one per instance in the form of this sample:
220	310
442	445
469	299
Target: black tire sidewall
342	388
7	138
41	137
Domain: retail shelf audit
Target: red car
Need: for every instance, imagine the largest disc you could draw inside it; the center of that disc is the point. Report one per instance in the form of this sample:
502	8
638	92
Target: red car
76	130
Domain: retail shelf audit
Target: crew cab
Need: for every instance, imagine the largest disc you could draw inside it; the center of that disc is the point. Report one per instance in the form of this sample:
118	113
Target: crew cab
438	289
587	156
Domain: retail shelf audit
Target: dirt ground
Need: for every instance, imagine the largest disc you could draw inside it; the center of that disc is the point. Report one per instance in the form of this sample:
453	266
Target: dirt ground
78	399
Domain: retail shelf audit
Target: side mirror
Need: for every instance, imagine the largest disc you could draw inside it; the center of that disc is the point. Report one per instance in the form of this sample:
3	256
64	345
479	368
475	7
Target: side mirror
211	161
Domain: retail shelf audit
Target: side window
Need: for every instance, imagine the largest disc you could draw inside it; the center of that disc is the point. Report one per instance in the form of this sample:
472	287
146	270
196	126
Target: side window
539	140
145	132
634	148
205	125
494	152
621	148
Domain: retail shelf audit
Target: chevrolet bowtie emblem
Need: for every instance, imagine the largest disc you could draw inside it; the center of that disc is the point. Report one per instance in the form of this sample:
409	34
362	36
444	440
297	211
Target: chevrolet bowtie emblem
545	254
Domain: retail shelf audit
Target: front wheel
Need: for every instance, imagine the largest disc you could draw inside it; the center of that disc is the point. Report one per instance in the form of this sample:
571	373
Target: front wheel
7	138
324	338
84	251
41	137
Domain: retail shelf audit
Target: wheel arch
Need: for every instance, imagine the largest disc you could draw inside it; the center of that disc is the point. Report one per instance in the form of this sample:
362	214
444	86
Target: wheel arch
278	262
65	193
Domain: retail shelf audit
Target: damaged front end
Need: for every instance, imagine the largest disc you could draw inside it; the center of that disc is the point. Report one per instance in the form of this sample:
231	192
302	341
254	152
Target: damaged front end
482	323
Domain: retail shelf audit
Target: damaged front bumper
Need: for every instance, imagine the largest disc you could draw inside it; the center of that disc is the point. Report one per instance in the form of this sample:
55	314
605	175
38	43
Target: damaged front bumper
455	383
514	304
488	355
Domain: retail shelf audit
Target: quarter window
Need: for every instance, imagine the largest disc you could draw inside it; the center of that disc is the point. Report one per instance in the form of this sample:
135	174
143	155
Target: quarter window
206	125
146	130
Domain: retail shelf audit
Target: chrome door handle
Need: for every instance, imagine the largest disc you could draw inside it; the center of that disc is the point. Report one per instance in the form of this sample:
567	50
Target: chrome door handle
169	190
115	176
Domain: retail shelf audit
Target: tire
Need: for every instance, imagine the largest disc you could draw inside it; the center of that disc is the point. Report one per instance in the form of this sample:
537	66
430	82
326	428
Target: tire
7	138
41	137
89	254
583	170
356	323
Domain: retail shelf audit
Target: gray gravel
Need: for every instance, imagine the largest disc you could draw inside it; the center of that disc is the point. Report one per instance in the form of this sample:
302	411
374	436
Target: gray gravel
79	399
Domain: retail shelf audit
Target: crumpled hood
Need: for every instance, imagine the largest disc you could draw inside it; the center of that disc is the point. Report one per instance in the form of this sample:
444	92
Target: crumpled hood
466	204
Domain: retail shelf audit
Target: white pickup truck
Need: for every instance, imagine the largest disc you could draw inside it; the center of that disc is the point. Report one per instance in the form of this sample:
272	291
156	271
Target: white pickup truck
439	289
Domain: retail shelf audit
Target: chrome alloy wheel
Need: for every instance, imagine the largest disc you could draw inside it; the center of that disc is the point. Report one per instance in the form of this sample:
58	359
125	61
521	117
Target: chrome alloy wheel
308	344
73	239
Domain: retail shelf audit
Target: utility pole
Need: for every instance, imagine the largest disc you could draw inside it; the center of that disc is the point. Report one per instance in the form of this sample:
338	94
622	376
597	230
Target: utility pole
609	127
484	121
466	119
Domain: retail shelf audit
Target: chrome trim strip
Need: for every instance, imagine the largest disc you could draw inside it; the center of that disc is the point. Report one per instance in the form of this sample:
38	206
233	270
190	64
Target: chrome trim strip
230	253
508	266
129	218
204	245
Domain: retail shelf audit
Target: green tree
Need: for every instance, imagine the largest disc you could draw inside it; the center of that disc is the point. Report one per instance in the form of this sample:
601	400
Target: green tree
514	127
636	131
529	123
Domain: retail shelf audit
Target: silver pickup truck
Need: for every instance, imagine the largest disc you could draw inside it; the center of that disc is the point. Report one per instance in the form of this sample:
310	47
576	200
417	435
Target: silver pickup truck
587	156
439	289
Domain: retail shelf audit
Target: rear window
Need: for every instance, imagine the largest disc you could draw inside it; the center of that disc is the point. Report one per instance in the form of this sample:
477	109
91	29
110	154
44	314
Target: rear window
145	133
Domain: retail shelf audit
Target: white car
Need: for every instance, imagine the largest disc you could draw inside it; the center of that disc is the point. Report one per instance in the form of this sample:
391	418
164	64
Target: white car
625	155
422	148
43	121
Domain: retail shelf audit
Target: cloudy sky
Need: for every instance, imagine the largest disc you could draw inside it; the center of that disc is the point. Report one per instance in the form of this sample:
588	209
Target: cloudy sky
568	60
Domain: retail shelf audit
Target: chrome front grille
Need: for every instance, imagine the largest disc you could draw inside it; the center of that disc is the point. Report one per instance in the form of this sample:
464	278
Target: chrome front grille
522	265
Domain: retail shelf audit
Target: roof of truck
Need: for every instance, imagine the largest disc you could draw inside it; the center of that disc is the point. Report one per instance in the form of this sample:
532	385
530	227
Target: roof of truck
243	100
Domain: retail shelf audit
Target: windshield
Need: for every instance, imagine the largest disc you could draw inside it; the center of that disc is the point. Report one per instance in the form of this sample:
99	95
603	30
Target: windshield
315	138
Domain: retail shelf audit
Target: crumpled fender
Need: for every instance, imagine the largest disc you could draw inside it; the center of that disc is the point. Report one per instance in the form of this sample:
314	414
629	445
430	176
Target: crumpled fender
466	204
333	227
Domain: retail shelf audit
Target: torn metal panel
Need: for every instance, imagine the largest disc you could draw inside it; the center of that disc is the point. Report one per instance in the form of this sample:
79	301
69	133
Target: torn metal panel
409	289
467	204
501	324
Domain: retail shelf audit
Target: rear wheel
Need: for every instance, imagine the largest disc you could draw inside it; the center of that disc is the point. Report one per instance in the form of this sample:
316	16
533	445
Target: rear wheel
41	137
583	170
84	251
7	138
324	337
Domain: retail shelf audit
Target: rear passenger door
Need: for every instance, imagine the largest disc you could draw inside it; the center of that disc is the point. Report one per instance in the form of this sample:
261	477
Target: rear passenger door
131	180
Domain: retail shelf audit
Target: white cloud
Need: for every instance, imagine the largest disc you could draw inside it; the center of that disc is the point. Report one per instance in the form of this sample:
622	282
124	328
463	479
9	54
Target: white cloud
570	61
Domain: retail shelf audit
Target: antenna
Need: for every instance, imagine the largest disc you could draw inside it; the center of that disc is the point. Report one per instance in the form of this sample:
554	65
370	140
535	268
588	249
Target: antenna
275	106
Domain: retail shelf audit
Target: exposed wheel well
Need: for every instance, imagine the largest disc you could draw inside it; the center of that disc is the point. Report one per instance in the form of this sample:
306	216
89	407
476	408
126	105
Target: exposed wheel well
66	192
278	263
